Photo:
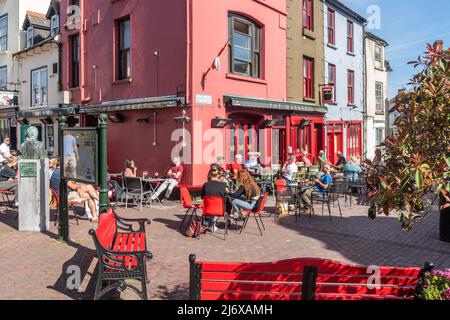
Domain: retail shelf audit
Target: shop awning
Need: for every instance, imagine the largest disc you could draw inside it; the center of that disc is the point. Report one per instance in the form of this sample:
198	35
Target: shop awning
46	112
249	102
135	104
8	112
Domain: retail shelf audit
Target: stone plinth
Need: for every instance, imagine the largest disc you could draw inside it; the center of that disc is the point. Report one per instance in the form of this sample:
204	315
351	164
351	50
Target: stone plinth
34	186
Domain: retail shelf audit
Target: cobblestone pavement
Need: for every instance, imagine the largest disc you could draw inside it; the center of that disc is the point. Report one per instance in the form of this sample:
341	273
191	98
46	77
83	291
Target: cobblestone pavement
34	266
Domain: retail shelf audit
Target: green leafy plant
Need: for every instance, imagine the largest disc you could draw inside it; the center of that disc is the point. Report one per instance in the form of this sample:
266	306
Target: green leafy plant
415	165
436	286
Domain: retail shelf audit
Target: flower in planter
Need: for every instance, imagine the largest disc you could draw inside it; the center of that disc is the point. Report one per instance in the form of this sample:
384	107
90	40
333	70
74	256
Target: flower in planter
436	285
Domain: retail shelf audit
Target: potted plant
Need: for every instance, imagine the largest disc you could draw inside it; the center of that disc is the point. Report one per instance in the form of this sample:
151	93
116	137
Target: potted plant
435	285
413	172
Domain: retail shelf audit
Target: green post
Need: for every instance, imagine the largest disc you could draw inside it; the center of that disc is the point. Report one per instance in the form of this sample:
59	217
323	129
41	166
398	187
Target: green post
103	161
63	211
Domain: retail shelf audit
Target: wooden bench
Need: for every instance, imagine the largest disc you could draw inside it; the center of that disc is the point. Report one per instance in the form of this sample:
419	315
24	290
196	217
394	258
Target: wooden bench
300	279
122	254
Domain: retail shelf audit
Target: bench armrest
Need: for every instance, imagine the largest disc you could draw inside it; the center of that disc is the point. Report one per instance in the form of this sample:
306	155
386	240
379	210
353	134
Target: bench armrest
109	259
127	225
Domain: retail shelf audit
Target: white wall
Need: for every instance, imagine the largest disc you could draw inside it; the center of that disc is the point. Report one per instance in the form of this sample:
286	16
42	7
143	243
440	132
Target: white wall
343	61
375	73
16	10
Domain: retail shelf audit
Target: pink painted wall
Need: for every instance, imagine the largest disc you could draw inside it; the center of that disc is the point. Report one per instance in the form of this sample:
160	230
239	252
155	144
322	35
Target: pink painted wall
155	26
188	34
210	35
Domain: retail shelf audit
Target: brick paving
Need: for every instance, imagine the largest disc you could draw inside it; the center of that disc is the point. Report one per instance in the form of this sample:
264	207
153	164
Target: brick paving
34	266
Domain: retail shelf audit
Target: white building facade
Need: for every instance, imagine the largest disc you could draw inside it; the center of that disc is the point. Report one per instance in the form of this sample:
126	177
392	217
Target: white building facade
344	70
377	76
12	14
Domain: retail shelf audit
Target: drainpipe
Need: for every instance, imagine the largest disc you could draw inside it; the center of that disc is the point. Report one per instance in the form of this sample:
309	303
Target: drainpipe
84	98
189	80
365	115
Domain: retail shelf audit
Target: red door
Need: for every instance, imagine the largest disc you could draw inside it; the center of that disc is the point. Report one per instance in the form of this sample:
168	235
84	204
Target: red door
330	143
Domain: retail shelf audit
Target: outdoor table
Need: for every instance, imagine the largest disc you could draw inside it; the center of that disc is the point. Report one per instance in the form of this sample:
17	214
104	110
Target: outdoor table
153	184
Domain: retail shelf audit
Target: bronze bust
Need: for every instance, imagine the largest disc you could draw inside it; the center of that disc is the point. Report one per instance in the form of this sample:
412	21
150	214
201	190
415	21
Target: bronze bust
32	148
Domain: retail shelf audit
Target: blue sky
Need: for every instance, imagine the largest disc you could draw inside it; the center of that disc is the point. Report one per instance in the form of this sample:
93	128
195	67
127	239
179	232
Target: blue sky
407	25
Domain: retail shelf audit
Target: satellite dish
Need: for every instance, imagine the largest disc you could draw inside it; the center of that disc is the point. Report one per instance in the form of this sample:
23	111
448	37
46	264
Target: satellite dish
217	64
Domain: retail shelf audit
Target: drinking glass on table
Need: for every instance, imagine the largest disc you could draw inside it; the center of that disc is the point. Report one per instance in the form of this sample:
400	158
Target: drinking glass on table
145	174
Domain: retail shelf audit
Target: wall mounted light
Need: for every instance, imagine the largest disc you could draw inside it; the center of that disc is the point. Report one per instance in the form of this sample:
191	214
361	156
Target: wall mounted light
47	120
305	123
220	122
183	119
23	122
116	118
143	120
268	123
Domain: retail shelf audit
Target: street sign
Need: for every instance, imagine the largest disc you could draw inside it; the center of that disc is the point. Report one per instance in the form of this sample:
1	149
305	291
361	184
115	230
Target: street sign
203	99
328	95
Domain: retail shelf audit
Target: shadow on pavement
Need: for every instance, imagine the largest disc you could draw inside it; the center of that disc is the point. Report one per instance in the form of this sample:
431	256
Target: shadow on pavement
81	261
373	242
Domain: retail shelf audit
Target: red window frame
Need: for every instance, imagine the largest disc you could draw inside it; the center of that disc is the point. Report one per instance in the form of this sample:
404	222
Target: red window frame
350	34
332	77
350	87
331	27
354	140
308	14
308	78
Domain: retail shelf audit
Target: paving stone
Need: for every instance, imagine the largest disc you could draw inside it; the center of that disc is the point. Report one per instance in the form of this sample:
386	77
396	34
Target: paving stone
34	265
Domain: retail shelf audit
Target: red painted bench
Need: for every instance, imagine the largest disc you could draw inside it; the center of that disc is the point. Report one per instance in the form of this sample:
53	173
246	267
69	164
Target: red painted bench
300	279
122	254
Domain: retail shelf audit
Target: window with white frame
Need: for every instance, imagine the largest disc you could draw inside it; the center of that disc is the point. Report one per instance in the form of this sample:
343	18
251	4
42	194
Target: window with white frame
379	136
39	87
30	37
3	78
378	53
4	33
54	25
379	97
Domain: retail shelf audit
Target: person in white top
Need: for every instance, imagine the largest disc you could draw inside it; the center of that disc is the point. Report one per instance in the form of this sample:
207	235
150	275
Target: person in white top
5	152
290	168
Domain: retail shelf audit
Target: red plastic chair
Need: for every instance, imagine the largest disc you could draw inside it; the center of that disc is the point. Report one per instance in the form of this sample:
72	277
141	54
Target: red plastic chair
215	207
69	204
256	214
187	203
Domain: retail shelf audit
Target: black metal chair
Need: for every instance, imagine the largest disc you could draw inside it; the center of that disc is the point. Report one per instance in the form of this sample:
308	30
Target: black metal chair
135	188
329	198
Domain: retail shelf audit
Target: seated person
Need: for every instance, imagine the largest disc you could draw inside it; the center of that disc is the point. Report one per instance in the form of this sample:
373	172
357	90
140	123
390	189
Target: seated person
321	185
289	169
247	196
5	152
76	192
304	158
55	174
352	170
236	166
8	177
341	162
174	176
252	164
130	169
85	193
322	158
214	188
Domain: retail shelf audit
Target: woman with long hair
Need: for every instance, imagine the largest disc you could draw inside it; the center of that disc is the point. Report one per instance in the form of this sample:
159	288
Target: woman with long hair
248	194
130	168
